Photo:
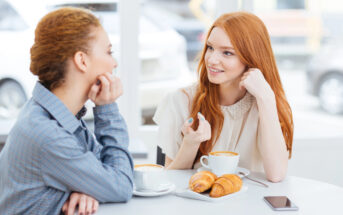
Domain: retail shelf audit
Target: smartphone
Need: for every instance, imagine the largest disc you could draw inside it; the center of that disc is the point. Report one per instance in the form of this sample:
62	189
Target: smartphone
280	203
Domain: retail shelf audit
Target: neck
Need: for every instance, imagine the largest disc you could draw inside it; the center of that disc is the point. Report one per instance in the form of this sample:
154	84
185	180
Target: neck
73	95
230	93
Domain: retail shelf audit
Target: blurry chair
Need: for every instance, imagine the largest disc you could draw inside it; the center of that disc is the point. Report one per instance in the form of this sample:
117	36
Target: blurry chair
160	158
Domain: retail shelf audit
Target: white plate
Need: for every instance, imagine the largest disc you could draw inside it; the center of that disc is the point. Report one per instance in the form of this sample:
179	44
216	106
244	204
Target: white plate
187	193
239	169
149	193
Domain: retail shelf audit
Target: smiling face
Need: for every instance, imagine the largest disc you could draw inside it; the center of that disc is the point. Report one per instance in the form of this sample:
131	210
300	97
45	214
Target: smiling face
222	64
100	56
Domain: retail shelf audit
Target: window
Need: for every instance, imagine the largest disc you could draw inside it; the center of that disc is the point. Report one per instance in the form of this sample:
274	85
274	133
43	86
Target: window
9	18
291	4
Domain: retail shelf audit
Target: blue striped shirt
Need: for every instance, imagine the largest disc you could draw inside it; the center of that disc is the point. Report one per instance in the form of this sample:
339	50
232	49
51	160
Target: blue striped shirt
49	153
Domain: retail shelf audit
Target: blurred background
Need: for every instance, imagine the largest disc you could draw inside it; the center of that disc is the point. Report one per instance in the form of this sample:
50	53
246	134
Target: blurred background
307	40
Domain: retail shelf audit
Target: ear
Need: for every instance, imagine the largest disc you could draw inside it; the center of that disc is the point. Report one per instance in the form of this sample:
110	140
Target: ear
81	61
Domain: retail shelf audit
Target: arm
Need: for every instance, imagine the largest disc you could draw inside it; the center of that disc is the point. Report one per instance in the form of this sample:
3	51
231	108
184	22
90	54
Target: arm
185	156
271	142
66	166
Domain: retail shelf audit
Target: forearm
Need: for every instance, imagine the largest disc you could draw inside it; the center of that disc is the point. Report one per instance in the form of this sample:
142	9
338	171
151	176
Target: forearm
272	143
111	132
185	157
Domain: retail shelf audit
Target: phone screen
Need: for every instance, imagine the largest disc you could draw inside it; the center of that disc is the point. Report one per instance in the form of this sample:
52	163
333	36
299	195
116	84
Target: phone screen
280	203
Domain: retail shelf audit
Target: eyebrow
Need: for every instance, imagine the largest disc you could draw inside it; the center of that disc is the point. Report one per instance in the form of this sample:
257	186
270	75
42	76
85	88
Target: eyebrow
221	47
110	45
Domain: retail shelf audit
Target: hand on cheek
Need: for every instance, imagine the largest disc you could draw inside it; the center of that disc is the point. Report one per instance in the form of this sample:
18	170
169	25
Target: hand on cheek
107	91
254	82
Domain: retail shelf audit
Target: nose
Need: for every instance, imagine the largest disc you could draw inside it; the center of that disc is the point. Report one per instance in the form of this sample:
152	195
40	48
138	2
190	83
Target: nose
213	58
115	64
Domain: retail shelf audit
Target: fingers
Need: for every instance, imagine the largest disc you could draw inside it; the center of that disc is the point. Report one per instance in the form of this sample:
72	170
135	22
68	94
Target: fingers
186	128
90	202
95	206
82	205
204	128
201	117
241	85
74	199
65	207
110	78
108	91
93	92
105	86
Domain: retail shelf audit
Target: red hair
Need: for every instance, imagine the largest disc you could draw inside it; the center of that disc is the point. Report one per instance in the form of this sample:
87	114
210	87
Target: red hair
251	41
58	36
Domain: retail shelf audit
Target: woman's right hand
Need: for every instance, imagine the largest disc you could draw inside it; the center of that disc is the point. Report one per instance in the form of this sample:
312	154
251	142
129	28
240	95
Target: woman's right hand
86	204
106	90
203	133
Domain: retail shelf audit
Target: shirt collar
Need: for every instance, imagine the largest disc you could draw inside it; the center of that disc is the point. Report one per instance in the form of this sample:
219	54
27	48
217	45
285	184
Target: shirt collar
238	109
52	104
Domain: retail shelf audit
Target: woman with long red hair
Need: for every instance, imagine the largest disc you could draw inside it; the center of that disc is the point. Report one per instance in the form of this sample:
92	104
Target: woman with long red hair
237	105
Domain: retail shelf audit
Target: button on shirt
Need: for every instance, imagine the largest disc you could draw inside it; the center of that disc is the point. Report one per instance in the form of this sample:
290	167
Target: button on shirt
49	153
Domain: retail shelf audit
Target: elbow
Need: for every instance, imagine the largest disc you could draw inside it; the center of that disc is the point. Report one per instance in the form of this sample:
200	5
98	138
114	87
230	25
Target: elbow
276	176
118	191
127	194
275	179
123	192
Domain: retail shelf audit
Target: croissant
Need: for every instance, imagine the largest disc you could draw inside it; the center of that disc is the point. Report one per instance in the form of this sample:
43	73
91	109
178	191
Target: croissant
226	184
202	181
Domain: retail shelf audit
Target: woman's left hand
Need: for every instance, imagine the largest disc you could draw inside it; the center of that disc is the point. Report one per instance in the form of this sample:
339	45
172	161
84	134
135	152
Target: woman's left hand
253	81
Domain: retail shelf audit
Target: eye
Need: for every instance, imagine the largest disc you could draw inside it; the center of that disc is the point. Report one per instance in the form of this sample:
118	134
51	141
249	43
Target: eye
209	48
110	52
227	53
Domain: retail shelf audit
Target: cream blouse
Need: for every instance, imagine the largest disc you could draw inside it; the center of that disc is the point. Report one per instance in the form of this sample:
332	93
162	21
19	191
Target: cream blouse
239	133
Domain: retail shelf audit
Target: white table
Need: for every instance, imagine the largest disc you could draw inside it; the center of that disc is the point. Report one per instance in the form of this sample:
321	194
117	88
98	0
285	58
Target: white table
312	197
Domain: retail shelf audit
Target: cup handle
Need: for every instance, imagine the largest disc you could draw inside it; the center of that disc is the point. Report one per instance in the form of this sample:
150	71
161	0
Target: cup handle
202	162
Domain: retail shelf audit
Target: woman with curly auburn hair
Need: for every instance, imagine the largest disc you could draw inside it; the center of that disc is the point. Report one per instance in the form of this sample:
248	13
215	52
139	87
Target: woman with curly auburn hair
237	105
51	161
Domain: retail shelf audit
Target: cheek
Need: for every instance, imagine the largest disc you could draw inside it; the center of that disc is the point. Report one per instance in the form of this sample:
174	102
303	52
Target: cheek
206	57
235	66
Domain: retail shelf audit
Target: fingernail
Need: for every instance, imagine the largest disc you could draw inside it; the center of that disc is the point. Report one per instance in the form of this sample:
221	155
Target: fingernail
190	120
201	116
98	82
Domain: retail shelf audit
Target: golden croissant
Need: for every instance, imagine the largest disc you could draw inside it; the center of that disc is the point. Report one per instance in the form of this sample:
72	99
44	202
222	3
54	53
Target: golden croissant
226	184
202	181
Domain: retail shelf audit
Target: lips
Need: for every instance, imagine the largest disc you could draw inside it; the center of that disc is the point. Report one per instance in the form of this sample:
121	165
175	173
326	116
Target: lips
214	70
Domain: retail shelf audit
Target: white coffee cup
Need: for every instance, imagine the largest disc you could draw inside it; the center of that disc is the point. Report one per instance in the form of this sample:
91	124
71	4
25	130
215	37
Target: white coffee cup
150	177
221	162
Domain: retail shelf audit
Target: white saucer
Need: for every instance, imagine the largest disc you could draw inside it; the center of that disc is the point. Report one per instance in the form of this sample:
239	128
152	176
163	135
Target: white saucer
239	169
149	193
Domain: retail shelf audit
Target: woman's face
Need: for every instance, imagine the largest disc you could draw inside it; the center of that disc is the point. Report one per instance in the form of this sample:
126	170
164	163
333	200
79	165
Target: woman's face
100	56
222	64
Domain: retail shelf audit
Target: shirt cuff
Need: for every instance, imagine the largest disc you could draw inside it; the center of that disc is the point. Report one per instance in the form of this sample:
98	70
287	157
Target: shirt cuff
105	109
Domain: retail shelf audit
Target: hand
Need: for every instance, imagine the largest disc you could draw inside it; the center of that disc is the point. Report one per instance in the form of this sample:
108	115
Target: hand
253	81
109	89
202	134
87	204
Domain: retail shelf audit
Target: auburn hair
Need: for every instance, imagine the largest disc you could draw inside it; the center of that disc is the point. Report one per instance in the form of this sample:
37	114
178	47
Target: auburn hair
58	36
251	42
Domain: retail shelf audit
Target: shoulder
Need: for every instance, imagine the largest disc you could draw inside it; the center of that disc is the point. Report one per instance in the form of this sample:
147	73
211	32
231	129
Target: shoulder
175	104
35	127
182	97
